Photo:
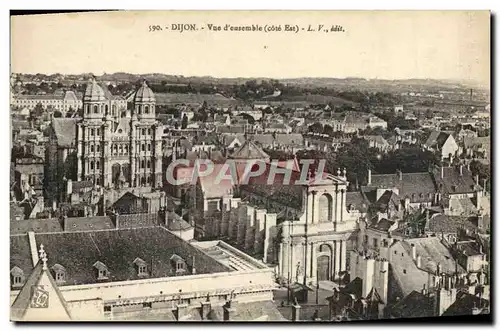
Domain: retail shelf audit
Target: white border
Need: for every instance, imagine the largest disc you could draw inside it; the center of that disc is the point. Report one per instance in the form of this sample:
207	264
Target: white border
200	5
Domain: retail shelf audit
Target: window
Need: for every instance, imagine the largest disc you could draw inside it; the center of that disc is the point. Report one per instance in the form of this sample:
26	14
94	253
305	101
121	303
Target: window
92	132
103	274
142	269
113	110
146	109
95	109
143	147
142	164
366	239
143	132
18	280
149	164
59	276
91	148
180	265
97	165
121	149
98	148
146	305
126	149
91	165
115	149
149	131
98	132
375	242
107	309
106	109
404	271
149	147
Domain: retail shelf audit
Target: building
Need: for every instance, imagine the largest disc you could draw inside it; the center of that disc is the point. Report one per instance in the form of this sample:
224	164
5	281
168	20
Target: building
442	143
108	146
304	230
128	274
62	102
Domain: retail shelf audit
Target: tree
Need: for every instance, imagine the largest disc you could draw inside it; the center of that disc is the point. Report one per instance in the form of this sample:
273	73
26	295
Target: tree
327	129
57	114
184	122
316	128
481	170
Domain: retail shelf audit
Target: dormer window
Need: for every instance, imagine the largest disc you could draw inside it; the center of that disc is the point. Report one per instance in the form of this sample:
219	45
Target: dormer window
102	270
178	263
17	277
59	273
142	269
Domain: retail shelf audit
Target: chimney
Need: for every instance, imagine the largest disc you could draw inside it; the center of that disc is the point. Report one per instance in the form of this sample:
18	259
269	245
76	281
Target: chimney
424	290
413	252
193	268
400	174
480	248
477	180
206	307
369	176
438	269
468	166
461	170
484	185
295	313
181	311
229	310
442	172
419	261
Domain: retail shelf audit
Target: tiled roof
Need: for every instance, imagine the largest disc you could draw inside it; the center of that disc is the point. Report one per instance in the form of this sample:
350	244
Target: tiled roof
464	304
468	248
452	182
413	305
387	200
381	225
432	252
117	249
416	186
65	131
78	185
440	223
249	151
358	200
36	225
379	140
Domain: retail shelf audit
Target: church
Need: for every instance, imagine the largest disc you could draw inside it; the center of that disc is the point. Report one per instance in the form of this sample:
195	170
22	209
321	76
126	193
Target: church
110	147
303	230
116	150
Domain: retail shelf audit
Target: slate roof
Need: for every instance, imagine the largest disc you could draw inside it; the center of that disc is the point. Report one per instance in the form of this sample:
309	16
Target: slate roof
436	139
117	249
440	223
387	199
65	131
468	248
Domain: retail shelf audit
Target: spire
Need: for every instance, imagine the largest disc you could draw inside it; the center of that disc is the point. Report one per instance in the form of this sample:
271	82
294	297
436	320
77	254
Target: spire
43	257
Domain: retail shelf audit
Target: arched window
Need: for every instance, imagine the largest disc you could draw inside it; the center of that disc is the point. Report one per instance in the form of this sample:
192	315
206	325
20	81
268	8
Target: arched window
146	109
325	208
149	164
121	149
149	131
97	165
113	110
149	147
88	109
126	149
143	147
96	109
142	164
115	149
91	148
91	165
106	109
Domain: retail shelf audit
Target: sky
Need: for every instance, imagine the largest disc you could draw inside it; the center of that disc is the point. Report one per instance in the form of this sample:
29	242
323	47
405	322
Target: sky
385	45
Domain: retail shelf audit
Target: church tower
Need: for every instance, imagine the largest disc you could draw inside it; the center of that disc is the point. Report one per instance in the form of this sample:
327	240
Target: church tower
90	135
